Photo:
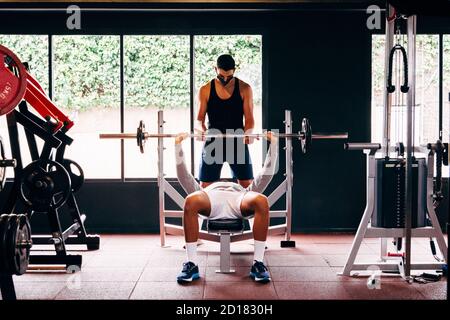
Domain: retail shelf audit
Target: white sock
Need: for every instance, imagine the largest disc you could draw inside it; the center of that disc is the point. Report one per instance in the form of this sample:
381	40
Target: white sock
191	251
260	247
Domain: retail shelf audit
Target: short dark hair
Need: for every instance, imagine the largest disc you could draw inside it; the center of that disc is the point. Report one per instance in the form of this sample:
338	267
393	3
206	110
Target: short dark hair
226	62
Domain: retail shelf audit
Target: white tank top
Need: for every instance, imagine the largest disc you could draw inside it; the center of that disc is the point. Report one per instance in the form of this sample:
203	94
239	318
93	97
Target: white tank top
225	186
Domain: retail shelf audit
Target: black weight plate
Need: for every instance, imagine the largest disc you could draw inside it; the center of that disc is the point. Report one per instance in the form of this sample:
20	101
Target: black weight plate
44	184
21	252
140	135
76	180
36	187
307	135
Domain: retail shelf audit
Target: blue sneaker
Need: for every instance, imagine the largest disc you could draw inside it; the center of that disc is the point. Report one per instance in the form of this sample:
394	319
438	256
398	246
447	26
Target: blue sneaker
189	273
259	272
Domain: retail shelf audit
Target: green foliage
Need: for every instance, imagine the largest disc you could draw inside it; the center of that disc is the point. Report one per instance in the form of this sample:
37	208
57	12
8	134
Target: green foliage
87	72
157	71
31	49
447	61
156	68
246	51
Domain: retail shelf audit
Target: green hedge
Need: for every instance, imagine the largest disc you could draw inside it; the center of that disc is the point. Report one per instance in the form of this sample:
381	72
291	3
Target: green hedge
157	68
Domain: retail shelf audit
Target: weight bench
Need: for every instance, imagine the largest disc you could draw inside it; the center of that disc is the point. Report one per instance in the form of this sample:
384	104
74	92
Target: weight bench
225	228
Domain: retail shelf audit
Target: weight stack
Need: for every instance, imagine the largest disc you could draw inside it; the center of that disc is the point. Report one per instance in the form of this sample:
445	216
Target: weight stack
390	193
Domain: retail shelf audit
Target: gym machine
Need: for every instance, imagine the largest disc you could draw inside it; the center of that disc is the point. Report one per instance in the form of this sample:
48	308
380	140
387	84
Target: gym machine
49	181
402	193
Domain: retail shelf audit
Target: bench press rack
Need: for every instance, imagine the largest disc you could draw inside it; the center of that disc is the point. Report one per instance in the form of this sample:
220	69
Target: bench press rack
284	187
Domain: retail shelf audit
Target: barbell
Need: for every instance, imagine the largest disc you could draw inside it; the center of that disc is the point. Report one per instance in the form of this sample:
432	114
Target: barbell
305	136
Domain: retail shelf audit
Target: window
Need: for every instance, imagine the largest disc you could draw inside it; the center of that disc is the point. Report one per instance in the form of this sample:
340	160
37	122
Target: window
157	77
87	88
446	89
247	52
34	50
426	110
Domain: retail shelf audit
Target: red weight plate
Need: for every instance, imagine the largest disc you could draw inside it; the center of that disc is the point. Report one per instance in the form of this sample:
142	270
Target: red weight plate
12	88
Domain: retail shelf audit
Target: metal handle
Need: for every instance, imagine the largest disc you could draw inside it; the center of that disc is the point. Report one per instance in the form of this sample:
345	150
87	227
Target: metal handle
362	146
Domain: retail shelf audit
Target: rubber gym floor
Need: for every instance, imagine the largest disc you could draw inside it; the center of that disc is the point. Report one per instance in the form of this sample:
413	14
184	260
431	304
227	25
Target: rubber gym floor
136	267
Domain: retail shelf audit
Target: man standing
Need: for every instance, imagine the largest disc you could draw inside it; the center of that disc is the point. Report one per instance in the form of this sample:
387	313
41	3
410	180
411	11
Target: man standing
228	102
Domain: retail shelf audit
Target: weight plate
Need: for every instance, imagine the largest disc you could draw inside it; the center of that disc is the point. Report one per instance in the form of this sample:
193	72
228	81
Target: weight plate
12	87
306	139
140	135
44	184
76	179
19	245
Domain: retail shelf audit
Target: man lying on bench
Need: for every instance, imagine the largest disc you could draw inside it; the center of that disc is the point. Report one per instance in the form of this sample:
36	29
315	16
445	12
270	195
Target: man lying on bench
226	200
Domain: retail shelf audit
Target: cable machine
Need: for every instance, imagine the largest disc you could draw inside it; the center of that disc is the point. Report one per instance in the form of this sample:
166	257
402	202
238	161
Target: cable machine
402	192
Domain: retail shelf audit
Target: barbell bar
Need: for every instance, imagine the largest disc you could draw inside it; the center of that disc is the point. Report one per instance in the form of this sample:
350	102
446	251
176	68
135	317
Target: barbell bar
316	136
305	135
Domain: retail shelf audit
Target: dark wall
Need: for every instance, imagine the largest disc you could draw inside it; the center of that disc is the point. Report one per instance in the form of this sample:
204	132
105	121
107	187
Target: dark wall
316	63
319	66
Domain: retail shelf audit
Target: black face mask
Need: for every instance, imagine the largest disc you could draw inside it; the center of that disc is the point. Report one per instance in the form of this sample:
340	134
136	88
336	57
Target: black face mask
223	81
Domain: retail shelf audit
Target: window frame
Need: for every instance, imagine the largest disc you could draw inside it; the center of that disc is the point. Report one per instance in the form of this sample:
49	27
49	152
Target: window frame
191	36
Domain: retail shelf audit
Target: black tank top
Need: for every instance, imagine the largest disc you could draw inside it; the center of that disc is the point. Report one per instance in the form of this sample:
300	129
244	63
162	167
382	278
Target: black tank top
225	114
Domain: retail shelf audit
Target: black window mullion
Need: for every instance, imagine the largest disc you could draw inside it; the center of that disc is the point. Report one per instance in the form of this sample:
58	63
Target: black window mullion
264	90
50	66
122	112
441	83
192	88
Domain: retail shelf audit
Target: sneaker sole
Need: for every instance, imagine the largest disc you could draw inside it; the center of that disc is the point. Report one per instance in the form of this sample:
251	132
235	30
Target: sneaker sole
262	280
195	276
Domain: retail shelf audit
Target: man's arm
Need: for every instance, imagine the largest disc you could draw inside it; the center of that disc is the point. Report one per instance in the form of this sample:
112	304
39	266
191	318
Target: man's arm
249	120
187	181
262	180
202	108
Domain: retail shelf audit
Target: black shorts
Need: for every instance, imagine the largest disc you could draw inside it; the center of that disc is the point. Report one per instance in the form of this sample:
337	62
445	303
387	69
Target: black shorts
235	153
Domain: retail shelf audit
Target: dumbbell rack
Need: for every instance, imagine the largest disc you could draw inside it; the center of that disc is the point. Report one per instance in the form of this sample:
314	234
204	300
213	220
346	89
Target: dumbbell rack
284	188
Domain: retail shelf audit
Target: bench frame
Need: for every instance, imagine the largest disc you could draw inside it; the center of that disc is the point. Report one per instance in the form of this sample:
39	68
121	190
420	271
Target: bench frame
284	188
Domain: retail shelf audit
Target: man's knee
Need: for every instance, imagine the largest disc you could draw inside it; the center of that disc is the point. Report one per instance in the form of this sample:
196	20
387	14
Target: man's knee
261	203
191	203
